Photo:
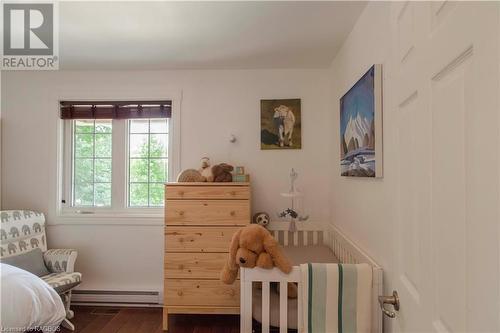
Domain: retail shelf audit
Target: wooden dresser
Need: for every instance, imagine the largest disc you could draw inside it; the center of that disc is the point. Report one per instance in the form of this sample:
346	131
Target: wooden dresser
200	219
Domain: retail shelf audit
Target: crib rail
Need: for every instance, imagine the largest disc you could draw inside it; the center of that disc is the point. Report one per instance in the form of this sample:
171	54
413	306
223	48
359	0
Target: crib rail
266	276
307	233
347	251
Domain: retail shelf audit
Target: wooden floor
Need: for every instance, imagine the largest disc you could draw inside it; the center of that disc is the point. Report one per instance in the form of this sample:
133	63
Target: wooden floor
147	320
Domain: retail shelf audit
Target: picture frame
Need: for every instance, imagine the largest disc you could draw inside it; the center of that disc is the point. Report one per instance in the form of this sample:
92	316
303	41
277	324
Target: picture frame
239	170
361	147
280	124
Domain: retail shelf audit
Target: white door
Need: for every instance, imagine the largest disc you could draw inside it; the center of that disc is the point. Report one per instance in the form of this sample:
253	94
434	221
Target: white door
445	68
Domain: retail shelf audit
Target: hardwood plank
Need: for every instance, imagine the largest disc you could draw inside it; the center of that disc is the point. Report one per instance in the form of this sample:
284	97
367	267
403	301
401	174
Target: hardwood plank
95	325
147	327
148	320
117	322
158	329
133	323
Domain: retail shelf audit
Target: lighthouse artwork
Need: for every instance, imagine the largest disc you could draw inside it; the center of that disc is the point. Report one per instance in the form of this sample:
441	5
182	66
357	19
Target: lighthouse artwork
361	127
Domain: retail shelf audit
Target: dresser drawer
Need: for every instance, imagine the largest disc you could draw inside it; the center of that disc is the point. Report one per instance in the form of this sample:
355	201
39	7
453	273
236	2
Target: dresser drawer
207	212
201	292
197	239
207	192
194	265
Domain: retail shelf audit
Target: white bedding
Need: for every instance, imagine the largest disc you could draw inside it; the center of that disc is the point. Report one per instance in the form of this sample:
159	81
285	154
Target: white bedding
28	302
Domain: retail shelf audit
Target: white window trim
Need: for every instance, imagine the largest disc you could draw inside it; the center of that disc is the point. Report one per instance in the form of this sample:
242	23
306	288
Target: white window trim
119	177
64	214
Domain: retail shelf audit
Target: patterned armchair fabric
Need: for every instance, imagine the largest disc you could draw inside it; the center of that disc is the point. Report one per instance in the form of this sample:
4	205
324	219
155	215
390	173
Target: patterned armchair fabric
63	282
21	231
24	230
60	260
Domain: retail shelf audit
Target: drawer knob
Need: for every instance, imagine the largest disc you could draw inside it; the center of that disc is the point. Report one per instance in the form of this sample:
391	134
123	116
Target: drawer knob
180	293
233	193
181	213
181	193
232	213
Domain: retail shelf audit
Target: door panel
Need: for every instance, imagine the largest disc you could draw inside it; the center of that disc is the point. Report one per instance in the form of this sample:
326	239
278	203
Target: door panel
445	63
413	151
448	108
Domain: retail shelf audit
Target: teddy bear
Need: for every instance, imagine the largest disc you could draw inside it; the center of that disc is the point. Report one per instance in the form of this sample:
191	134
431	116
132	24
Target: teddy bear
261	218
206	169
254	246
222	173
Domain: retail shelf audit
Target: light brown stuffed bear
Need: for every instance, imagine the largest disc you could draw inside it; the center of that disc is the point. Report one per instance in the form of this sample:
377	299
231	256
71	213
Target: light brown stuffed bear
254	246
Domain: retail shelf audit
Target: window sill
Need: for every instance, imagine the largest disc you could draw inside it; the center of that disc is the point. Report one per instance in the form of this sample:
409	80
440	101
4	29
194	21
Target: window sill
155	218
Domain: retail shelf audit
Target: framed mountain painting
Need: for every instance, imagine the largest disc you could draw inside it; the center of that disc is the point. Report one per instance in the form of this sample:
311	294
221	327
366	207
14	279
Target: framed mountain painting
361	127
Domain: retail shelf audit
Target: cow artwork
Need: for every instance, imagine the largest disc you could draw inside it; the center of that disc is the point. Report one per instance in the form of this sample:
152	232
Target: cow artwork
280	122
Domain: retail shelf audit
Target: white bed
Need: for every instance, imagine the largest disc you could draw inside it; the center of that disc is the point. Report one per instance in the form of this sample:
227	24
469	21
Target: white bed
28	302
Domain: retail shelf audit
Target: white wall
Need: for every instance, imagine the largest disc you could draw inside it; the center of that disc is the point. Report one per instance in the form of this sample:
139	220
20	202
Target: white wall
214	104
363	207
432	221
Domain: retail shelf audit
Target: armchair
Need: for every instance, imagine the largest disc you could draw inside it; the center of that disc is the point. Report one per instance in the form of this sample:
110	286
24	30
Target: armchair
23	231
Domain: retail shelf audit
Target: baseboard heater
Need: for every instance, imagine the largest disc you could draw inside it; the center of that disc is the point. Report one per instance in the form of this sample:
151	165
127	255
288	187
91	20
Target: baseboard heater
116	297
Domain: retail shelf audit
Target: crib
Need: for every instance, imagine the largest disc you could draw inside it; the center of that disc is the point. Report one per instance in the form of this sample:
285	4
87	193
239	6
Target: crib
307	234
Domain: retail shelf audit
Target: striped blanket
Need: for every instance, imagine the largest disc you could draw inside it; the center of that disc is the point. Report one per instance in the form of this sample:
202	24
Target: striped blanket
336	298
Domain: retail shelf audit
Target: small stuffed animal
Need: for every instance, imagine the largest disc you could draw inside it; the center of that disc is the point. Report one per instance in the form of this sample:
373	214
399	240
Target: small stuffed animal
261	218
254	246
206	169
222	172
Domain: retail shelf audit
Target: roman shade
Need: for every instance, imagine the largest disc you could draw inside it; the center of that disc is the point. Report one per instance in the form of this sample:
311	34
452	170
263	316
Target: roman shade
115	109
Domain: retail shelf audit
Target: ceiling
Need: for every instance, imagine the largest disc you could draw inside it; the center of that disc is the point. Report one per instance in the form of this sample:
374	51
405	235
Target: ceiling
203	35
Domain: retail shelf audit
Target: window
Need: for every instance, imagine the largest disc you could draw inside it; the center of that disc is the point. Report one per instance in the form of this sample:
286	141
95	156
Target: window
116	155
92	152
148	161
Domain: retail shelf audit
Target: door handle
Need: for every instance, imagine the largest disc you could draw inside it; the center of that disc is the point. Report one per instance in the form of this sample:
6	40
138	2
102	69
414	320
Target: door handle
390	300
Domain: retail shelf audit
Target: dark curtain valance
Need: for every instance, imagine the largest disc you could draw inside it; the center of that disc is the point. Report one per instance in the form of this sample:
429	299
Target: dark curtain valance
115	109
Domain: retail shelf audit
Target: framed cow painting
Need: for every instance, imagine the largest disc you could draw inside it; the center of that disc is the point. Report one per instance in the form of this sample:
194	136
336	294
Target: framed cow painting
361	126
280	124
